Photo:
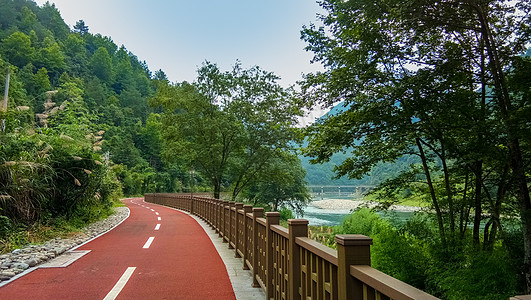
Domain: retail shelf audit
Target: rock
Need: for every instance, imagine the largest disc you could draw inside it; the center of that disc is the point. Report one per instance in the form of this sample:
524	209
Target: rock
6	275
31	262
21	266
21	259
59	250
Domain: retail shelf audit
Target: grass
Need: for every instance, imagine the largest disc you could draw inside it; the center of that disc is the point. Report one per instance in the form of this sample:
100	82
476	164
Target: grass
412	200
18	235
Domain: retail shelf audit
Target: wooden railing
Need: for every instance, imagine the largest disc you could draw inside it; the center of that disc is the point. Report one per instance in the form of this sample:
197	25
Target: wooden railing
285	263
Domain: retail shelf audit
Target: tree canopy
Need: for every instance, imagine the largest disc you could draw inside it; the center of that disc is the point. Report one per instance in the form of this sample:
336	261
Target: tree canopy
435	80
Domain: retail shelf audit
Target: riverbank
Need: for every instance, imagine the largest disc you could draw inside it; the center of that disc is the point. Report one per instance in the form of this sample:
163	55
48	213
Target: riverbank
342	204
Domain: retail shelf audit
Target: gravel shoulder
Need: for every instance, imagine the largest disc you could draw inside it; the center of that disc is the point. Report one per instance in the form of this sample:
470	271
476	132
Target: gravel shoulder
21	260
342	204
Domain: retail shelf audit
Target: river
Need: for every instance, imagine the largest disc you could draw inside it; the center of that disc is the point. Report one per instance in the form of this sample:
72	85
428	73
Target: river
332	211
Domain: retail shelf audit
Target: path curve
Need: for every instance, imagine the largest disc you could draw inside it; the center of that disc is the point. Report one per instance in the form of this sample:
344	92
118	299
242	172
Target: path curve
139	259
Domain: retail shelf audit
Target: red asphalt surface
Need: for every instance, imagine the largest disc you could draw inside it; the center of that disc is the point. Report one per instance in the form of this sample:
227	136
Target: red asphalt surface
181	263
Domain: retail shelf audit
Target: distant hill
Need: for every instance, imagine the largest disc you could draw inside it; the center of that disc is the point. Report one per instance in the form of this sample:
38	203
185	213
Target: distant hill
323	174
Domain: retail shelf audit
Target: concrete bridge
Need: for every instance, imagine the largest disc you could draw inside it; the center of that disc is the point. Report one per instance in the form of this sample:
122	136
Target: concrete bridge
355	191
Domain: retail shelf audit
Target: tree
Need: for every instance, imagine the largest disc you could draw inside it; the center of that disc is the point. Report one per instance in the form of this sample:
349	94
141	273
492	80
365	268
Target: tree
17	49
160	76
76	54
280	183
51	57
428	79
101	65
228	124
40	87
81	28
196	131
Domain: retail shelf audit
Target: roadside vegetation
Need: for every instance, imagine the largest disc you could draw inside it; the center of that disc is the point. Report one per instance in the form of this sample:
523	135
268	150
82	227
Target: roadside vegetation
87	122
446	83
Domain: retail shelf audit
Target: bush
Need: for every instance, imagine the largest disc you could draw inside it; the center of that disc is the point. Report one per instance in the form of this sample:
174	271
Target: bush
286	214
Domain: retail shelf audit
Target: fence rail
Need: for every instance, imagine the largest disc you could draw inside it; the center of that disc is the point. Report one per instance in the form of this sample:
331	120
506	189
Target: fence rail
285	263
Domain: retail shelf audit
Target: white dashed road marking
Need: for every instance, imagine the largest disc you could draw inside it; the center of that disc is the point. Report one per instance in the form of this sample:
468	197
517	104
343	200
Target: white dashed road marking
157	213
157	227
159	219
120	284
148	243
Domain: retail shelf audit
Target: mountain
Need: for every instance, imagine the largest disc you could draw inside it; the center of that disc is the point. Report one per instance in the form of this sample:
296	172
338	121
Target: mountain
323	174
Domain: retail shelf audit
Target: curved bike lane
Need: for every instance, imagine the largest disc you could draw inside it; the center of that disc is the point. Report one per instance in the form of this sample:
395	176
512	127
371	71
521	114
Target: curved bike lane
157	253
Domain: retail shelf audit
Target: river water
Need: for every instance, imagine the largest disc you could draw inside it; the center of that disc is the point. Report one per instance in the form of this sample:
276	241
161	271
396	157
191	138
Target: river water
331	217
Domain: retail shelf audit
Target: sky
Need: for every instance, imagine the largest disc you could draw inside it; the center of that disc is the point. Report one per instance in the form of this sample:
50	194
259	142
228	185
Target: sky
177	36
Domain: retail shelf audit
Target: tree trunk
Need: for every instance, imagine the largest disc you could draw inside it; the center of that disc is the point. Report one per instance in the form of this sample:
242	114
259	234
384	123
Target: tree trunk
478	171
448	187
463	208
217	189
432	192
511	124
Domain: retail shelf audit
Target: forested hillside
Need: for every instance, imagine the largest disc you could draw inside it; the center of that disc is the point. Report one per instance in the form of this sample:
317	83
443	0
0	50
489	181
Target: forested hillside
87	121
323	173
78	129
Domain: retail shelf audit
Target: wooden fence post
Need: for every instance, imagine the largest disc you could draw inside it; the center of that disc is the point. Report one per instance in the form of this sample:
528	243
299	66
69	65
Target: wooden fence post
297	228
272	218
258	212
220	217
212	213
352	249
246	209
237	237
224	220
191	205
231	220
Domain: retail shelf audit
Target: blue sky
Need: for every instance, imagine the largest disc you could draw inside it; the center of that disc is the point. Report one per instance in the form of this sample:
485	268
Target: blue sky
177	36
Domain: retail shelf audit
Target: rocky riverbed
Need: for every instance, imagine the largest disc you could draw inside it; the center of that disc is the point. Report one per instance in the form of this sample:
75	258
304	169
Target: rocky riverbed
20	260
342	204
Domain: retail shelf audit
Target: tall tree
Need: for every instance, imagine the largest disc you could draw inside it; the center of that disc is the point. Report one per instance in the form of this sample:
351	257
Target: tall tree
101	65
81	28
428	78
228	124
17	49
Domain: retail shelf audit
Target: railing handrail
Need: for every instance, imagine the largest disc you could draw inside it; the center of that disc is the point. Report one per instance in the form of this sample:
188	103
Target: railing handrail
386	284
319	249
285	262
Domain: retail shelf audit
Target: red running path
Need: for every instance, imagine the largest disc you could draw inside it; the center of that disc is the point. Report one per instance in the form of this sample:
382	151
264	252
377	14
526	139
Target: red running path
181	263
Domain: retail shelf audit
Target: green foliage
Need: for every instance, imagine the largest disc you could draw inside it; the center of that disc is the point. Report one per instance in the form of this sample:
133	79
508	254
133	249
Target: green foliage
17	49
412	253
51	56
101	64
228	125
280	184
445	83
81	28
286	214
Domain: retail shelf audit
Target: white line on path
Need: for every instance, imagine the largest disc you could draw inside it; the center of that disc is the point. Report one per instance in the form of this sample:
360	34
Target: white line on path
152	209
120	284
157	213
149	241
159	219
157	227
